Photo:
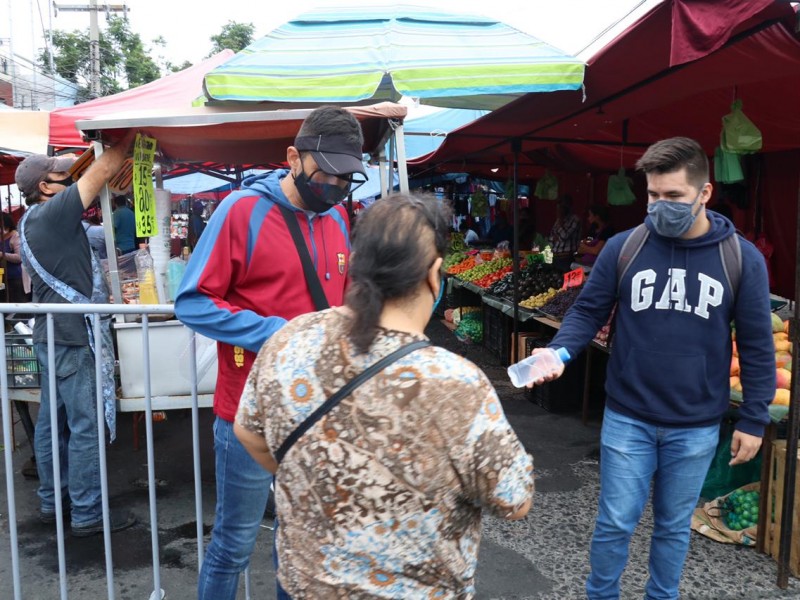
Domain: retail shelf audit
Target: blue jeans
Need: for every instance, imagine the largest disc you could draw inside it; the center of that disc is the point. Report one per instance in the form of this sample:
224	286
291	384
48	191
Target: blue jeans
242	492
632	454
79	454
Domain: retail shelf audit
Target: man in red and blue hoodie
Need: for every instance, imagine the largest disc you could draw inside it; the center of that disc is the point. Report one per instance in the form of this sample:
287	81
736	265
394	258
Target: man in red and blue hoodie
244	281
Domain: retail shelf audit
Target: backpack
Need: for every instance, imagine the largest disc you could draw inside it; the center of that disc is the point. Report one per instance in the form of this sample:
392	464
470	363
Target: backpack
730	250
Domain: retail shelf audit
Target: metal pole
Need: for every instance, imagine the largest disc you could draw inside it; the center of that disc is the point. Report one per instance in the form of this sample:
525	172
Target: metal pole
50	42
12	507
101	447
94	50
11	61
402	166
516	147
792	431
34	70
151	462
198	484
56	454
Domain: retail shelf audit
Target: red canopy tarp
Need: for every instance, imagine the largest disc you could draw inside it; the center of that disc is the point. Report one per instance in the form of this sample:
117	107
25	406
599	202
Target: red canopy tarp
634	95
232	136
174	91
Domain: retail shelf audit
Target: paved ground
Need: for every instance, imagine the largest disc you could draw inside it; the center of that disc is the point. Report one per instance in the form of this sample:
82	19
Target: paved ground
543	557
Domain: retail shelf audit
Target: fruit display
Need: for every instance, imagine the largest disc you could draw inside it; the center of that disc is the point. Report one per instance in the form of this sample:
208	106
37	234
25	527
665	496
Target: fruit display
457	243
462	267
533	280
740	509
453	258
482	270
539	300
492	278
783	362
559	304
603	335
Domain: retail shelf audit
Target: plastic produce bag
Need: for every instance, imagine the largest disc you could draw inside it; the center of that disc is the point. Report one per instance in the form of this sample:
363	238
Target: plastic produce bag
727	166
547	187
620	189
710	520
739	134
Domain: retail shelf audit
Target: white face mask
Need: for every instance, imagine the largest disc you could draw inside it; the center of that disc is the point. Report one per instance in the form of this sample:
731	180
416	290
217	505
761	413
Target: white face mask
673	219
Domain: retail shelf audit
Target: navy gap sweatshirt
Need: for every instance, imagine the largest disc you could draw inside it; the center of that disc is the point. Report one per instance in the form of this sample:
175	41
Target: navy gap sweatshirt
670	363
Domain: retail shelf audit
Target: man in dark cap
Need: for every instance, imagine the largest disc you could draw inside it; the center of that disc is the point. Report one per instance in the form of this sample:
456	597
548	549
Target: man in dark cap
245	279
56	253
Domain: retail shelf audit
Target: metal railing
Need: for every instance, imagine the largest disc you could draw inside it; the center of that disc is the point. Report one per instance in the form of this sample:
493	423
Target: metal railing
97	311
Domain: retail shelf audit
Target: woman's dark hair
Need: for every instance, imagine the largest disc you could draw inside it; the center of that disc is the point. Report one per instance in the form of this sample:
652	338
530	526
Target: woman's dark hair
8	222
396	241
598	210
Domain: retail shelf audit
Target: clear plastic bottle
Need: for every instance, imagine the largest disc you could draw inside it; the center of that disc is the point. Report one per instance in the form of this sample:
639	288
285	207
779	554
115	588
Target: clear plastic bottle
146	273
537	365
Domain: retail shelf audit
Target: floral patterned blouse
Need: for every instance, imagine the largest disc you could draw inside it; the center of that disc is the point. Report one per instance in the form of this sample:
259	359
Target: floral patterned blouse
382	498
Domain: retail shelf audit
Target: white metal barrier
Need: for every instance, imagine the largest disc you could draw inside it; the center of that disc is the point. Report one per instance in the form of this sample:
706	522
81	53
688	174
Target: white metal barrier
50	311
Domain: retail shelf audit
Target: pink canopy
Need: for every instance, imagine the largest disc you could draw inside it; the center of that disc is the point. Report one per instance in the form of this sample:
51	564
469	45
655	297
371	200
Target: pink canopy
175	91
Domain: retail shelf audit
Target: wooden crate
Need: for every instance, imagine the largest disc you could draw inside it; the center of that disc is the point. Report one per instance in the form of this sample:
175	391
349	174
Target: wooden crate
775	507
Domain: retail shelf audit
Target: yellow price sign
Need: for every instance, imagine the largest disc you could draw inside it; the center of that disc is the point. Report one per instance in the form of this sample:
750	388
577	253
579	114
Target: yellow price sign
144	192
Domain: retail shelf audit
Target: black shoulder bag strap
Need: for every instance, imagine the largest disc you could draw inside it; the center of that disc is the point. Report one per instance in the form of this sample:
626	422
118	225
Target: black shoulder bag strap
345	391
312	279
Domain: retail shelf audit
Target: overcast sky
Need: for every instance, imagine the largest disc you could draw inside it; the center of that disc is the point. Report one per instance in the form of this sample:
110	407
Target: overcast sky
187	25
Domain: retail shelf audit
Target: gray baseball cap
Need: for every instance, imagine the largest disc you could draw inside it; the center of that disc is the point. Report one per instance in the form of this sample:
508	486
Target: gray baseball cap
34	169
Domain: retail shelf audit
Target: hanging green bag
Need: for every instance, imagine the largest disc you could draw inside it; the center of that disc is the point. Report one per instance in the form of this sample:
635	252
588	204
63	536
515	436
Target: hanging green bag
727	166
620	189
739	134
547	187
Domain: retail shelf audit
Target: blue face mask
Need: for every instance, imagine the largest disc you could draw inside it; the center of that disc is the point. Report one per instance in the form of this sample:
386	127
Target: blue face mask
439	296
672	219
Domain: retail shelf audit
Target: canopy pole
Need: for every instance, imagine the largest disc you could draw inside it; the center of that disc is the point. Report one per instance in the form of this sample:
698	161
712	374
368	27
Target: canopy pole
516	147
402	167
382	170
792	431
108	232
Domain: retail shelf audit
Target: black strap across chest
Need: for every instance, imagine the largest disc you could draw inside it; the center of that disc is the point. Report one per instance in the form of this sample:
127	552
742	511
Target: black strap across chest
345	391
312	278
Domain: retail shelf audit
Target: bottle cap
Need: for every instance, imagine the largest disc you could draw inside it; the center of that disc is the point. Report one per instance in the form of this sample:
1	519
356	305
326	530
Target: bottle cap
563	354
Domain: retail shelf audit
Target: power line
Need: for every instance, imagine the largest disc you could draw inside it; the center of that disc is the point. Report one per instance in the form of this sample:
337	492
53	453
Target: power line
34	67
611	26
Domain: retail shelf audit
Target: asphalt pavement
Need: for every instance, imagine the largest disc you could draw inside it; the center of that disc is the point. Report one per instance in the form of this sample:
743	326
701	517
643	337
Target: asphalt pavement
542	557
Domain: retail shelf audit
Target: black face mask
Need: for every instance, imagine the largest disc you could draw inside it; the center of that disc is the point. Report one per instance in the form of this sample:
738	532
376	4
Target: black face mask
66	182
319	197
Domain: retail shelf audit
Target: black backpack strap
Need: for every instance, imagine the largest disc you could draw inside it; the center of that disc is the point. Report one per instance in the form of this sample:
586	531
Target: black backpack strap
730	250
630	250
312	279
345	391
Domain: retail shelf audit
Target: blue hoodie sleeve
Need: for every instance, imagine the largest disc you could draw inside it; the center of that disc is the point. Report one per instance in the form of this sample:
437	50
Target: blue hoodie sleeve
594	304
755	343
202	302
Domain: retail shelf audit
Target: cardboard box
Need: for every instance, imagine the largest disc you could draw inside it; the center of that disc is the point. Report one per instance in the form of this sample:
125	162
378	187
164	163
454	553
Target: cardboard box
169	360
775	499
520	346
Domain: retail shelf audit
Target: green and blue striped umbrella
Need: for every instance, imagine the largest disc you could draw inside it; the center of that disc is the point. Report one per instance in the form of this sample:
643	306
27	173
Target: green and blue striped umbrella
349	55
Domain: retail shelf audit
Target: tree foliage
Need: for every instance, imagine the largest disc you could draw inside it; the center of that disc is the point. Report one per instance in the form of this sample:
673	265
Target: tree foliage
235	36
125	62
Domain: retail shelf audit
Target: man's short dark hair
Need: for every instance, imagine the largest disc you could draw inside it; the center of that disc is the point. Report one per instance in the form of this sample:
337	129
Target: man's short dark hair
332	121
120	201
674	154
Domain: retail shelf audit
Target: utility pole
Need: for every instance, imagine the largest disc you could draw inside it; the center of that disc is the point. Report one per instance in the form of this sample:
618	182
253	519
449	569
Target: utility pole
94	35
